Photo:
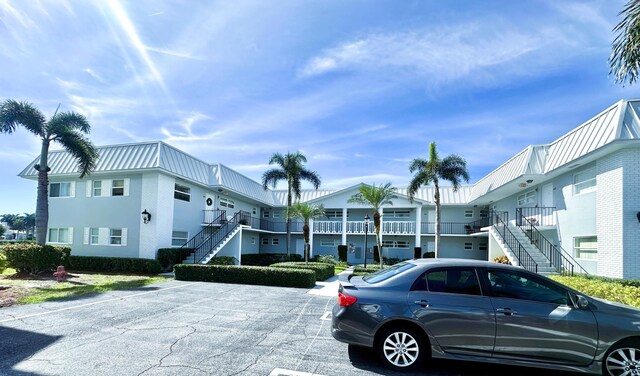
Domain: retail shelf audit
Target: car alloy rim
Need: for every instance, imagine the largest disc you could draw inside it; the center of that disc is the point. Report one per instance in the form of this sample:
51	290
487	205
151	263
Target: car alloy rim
401	349
624	361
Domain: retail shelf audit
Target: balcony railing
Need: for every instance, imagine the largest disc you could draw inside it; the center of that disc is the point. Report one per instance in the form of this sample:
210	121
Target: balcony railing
447	228
327	227
213	217
399	228
280	226
537	216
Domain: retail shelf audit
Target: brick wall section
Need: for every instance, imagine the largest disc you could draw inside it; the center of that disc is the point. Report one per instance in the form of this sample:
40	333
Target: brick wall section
618	201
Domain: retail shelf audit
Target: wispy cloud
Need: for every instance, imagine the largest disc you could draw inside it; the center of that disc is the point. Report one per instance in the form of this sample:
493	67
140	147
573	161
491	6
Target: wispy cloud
173	53
96	76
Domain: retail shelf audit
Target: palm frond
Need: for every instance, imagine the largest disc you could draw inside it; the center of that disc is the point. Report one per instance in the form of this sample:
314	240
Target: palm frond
311	176
277	159
70	120
81	148
14	114
624	61
271	177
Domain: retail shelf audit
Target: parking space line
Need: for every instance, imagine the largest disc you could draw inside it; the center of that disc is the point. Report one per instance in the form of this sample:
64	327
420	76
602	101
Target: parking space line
286	372
94	303
326	316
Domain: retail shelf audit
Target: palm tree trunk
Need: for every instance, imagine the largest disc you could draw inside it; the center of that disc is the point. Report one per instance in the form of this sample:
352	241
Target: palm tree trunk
437	201
42	202
305	231
376	226
289	220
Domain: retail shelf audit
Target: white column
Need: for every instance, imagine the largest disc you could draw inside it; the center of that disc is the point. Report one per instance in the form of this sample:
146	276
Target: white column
344	226
381	231
418	225
311	238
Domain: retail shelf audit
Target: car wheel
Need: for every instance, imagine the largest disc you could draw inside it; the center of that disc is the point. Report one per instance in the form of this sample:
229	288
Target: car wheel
401	348
623	359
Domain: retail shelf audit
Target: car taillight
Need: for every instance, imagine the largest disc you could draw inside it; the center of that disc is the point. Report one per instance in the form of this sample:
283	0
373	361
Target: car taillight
346	300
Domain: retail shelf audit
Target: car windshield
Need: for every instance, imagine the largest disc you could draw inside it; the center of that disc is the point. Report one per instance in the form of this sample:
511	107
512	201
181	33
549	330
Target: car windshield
384	274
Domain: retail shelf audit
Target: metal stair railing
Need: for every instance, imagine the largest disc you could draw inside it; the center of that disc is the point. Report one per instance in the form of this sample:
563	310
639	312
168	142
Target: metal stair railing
198	239
558	257
219	236
489	220
524	258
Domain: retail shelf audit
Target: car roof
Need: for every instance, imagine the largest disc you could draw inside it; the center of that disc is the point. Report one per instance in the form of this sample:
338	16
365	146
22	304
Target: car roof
452	262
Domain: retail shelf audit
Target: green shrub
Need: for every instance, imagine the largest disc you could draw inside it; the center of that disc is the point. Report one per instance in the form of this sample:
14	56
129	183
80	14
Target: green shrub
248	275
392	260
266	259
3	261
616	290
33	258
113	264
222	260
168	257
322	270
429	255
9	242
326	259
342	253
361	270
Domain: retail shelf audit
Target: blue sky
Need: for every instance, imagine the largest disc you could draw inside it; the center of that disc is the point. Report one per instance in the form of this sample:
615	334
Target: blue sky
360	87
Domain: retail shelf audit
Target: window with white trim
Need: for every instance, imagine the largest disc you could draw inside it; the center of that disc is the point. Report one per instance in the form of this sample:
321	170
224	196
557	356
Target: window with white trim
584	182
333	214
179	238
266	214
276	214
94	236
227	203
527	198
115	236
395	244
97	188
484	213
117	187
275	241
182	192
586	247
483	247
328	243
468	213
61	189
397	213
61	235
468	246
265	241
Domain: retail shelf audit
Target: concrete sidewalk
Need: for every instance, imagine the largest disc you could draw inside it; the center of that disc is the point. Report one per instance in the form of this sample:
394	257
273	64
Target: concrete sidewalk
330	286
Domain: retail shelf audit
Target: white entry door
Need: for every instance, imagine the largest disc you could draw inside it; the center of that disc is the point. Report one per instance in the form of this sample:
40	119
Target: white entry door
546	201
209	206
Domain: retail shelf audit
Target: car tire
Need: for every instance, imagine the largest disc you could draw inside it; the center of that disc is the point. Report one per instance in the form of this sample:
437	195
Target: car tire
402	348
622	359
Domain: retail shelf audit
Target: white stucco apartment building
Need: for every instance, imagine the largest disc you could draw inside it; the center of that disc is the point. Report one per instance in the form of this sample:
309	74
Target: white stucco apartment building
572	204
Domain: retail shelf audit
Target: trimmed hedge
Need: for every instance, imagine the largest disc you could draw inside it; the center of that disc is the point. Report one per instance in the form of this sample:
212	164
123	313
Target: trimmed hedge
326	259
222	260
360	270
266	259
248	275
168	257
3	261
342	253
322	270
113	264
429	255
33	258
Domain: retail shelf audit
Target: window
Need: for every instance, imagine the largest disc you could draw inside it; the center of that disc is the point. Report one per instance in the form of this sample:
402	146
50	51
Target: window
468	213
468	246
514	285
395	244
115	236
226	203
97	188
182	193
275	241
265	241
276	214
397	213
328	243
60	235
333	214
94	236
117	187
586	247
584	181
266	214
484	213
527	198
60	190
451	281
483	247
179	238
384	274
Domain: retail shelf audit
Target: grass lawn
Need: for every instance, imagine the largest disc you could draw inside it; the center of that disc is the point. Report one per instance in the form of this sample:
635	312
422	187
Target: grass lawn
340	267
37	289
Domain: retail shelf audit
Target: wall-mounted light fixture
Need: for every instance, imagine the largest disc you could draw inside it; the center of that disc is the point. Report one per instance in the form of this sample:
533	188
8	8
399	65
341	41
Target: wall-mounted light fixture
530	181
146	216
638	215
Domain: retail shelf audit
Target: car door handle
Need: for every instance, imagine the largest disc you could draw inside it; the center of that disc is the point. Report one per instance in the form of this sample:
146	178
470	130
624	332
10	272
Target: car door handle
422	303
506	311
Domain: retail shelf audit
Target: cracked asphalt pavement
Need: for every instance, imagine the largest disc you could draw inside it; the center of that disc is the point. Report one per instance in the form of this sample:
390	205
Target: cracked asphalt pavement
186	328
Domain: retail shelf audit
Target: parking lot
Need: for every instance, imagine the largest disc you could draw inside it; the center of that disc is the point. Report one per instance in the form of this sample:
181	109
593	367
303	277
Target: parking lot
184	328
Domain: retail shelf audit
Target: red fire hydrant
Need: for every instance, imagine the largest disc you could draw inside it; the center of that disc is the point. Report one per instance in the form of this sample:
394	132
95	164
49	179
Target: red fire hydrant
60	274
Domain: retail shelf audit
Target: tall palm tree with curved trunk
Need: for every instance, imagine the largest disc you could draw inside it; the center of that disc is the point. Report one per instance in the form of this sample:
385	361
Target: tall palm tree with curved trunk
290	169
306	212
624	61
66	128
452	168
376	197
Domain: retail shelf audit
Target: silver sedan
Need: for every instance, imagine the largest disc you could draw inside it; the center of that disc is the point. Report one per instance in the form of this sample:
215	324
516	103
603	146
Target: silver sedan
484	311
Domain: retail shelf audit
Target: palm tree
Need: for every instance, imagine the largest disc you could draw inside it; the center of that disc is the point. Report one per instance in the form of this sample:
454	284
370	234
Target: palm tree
376	197
452	168
624	61
66	128
306	212
30	222
290	168
9	219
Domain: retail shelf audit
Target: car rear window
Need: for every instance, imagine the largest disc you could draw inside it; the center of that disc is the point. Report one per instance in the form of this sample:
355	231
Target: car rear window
384	274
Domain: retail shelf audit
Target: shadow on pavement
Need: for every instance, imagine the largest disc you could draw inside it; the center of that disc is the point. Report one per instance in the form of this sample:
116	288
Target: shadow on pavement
17	345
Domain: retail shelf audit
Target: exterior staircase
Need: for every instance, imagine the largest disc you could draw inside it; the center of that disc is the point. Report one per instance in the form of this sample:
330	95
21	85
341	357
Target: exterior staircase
205	250
535	257
220	245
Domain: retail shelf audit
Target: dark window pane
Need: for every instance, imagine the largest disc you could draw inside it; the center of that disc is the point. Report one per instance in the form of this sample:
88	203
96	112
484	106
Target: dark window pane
514	285
54	190
454	281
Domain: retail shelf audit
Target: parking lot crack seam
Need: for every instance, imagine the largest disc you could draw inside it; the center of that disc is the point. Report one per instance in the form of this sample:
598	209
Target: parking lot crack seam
314	338
193	330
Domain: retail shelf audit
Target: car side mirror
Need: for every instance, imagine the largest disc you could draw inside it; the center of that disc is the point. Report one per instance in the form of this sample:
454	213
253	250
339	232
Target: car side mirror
582	302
